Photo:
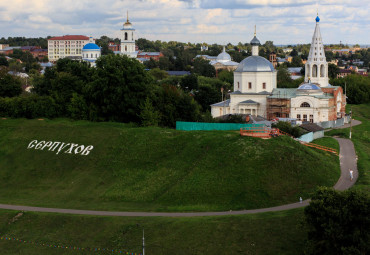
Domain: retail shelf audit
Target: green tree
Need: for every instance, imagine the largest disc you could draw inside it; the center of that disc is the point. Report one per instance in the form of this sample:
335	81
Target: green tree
158	74
356	86
189	82
3	61
10	86
119	86
288	128
78	108
149	116
202	67
333	70
283	77
338	222
226	76
207	95
175	105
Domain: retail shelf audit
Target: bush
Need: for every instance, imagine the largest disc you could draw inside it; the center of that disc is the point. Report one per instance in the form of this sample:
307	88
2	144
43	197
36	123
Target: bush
28	107
288	128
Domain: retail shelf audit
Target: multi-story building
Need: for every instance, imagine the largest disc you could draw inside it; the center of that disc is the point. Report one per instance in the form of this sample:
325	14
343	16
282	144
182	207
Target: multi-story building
67	46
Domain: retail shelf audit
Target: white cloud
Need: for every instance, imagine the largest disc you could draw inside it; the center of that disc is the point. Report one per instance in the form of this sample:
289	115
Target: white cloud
281	21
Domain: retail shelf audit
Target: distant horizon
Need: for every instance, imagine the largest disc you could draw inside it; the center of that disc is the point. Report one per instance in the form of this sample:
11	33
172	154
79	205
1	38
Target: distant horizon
212	21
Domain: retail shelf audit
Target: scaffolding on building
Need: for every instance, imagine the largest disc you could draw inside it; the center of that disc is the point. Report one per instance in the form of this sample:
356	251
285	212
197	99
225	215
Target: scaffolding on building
278	105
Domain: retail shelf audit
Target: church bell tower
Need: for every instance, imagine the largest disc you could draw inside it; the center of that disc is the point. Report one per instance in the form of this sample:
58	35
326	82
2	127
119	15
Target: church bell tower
128	39
316	68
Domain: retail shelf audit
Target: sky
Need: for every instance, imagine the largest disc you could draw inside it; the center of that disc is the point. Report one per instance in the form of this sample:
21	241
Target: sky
196	21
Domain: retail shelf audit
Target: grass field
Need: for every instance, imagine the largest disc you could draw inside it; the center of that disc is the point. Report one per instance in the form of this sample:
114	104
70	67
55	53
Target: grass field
361	140
155	169
267	233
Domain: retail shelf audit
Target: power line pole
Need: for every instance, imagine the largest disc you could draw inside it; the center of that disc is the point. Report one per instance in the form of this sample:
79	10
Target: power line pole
350	128
143	243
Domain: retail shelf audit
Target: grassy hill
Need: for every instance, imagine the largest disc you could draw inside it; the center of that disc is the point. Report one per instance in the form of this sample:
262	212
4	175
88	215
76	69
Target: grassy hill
259	234
155	169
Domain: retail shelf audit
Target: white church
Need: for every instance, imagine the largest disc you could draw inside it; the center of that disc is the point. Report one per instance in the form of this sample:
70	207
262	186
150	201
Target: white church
256	93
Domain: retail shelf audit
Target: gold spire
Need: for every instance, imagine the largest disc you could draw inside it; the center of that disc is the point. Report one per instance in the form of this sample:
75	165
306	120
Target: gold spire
255	30
127	21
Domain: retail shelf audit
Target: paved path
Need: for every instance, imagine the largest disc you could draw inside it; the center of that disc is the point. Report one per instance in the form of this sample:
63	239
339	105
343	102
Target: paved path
347	158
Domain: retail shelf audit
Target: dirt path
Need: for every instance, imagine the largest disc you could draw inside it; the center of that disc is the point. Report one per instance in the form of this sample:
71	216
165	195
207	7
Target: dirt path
348	160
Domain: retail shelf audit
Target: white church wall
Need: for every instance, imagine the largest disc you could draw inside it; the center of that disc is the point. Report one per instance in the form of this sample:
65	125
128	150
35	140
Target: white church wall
256	79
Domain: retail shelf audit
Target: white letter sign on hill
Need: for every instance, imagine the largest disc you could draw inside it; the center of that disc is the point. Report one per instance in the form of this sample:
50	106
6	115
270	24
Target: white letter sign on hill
53	145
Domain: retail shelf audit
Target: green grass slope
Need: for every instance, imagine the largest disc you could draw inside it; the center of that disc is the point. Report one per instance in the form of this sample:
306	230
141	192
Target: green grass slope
155	169
267	233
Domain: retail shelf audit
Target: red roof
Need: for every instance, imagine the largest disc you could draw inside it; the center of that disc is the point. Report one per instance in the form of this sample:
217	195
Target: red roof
70	37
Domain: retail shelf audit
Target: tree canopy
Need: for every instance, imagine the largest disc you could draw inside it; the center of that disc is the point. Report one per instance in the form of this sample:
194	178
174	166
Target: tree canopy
338	222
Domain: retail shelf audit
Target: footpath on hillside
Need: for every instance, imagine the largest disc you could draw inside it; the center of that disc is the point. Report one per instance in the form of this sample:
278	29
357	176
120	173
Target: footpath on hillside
347	157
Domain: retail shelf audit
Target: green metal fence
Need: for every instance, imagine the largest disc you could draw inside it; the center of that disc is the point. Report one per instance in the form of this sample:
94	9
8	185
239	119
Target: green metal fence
191	126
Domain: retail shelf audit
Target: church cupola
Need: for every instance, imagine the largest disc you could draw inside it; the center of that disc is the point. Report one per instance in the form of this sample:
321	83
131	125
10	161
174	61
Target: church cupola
316	66
255	43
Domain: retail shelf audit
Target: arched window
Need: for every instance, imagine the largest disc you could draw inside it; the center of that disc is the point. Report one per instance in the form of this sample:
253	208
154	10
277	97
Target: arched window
314	71
126	36
125	48
322	71
305	104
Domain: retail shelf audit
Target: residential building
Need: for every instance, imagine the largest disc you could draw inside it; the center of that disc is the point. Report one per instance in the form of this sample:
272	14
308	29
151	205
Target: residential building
67	46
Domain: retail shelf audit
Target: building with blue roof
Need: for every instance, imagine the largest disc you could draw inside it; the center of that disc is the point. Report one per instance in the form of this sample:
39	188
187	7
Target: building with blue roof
91	52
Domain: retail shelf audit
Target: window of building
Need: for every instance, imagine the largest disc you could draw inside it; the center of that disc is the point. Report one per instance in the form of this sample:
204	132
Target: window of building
238	85
249	85
126	36
264	85
305	104
304	117
298	117
311	118
91	55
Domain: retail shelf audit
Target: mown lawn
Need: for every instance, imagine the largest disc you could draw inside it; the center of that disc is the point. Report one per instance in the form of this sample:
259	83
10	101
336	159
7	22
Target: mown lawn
361	140
155	169
267	233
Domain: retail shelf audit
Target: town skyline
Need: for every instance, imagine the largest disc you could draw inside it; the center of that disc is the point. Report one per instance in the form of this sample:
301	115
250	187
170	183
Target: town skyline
281	21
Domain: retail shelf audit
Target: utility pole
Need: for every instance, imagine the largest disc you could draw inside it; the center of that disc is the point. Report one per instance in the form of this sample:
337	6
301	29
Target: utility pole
143	243
350	127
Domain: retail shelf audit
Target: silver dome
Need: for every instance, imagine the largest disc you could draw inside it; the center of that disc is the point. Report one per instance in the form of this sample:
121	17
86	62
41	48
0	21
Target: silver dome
223	56
255	41
255	64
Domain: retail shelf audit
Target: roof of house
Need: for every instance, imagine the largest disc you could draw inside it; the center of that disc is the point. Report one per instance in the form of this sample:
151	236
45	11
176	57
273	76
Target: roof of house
311	127
223	103
69	37
249	101
149	53
178	73
292	92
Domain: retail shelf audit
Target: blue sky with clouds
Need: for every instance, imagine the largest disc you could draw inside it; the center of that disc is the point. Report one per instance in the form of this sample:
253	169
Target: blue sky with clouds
210	21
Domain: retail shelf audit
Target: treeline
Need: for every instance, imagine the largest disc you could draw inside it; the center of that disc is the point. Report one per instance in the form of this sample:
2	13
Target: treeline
23	41
118	89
